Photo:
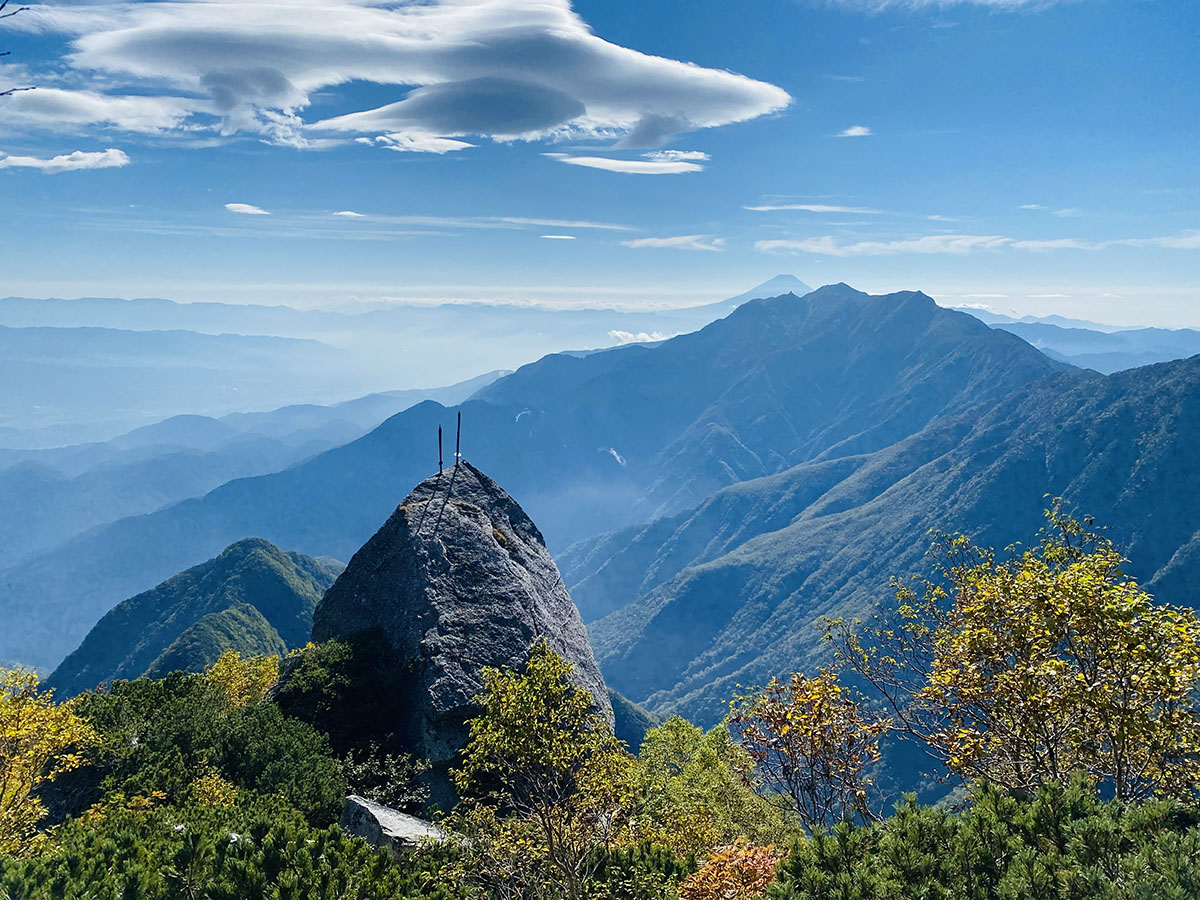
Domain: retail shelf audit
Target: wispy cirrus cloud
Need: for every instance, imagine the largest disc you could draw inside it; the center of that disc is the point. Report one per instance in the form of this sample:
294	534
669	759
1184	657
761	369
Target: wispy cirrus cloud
1187	240
681	242
501	69
486	222
78	161
246	209
815	208
1069	212
960	244
660	162
827	245
1061	244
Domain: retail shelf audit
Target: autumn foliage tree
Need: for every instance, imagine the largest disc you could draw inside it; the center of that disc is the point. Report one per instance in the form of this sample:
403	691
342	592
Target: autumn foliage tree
1025	670
740	871
698	791
544	780
39	740
811	741
243	679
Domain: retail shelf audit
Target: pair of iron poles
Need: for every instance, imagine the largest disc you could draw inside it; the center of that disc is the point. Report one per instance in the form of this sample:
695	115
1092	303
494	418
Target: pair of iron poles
457	444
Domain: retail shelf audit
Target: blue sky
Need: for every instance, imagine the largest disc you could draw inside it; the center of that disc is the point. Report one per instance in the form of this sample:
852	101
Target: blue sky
1036	157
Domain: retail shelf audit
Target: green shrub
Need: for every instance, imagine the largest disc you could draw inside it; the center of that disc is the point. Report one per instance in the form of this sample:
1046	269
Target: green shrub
158	737
253	851
1062	843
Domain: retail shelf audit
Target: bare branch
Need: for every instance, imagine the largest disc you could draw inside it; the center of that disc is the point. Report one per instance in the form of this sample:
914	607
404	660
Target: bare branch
9	15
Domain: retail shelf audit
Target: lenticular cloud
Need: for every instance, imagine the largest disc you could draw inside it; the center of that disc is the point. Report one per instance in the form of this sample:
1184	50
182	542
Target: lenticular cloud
506	69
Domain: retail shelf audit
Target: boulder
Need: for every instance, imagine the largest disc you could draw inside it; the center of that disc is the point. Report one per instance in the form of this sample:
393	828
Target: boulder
457	579
382	826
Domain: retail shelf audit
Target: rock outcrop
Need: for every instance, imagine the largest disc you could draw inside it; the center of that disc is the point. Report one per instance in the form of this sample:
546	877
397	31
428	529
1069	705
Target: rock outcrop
457	579
382	826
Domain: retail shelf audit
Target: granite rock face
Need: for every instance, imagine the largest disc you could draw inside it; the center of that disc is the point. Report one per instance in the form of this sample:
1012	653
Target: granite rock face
382	826
457	579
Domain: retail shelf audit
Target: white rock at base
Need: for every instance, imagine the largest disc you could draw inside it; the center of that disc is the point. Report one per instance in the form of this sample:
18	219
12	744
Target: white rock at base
382	826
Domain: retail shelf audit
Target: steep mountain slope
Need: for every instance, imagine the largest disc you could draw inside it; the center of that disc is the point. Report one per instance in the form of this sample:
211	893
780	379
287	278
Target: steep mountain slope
253	597
241	627
728	592
778	382
586	444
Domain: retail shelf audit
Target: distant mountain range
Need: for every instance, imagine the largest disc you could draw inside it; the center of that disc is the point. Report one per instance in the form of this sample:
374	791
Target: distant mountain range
994	318
86	370
53	495
586	444
249	319
1092	345
253	598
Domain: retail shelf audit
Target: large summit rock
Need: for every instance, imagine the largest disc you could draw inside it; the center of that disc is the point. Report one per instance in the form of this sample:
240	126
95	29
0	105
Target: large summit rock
458	579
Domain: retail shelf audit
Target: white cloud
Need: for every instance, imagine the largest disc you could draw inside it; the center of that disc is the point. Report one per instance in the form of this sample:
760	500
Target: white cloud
630	166
417	143
246	209
1187	240
681	242
506	69
559	223
1060	244
942	219
67	110
69	162
957	244
815	208
828	245
1069	212
676	155
637	337
856	131
558	237
505	222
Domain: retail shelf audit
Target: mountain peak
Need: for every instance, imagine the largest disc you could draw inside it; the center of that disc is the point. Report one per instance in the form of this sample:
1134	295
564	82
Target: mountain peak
781	284
457	580
774	287
252	597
